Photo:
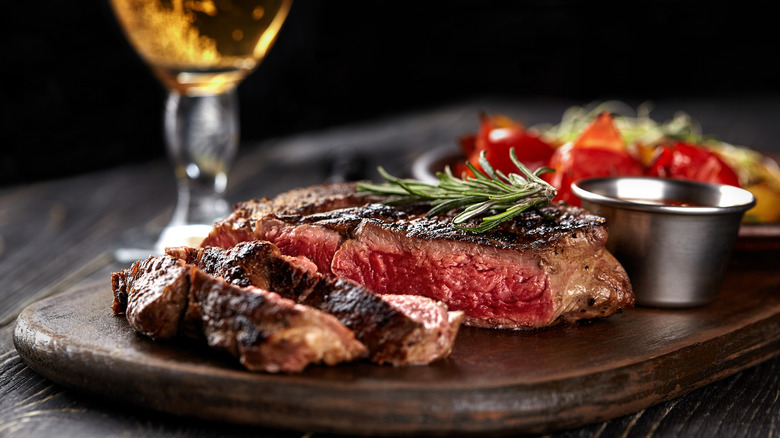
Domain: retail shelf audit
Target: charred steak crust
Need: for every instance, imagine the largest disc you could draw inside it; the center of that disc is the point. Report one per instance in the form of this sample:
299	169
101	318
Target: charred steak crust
267	332
555	226
385	330
164	297
152	294
543	268
316	199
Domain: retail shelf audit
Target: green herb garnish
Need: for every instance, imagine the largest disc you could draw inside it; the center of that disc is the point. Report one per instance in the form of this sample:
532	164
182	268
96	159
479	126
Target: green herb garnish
634	126
491	192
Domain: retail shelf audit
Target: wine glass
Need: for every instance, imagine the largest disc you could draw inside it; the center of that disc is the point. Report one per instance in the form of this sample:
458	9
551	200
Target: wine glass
200	50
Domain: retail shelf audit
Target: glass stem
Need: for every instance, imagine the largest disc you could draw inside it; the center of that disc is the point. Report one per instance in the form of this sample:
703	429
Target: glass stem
202	140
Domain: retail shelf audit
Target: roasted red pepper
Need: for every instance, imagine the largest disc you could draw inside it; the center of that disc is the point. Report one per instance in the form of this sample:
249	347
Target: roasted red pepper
572	164
691	162
496	136
598	151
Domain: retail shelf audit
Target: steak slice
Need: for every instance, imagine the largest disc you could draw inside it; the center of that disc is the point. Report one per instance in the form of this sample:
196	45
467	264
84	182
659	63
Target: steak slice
153	295
164	297
399	330
542	268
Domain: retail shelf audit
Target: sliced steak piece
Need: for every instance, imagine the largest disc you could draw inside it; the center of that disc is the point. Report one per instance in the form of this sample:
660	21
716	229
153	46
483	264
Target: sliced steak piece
267	332
534	271
161	295
399	331
153	295
434	340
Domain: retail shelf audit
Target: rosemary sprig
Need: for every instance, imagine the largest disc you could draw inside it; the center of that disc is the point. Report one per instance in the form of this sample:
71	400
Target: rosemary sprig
490	193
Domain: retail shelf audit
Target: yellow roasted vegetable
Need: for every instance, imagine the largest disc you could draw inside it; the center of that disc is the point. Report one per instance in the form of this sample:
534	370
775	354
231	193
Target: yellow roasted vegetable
767	207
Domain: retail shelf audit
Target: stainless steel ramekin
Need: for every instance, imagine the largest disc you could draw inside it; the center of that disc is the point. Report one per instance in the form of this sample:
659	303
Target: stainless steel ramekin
675	255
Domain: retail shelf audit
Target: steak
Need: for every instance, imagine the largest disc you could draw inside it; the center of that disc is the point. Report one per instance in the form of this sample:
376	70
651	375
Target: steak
542	268
398	330
164	297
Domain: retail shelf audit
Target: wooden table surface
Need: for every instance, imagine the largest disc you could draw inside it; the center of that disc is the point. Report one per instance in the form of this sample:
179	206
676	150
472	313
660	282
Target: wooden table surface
58	234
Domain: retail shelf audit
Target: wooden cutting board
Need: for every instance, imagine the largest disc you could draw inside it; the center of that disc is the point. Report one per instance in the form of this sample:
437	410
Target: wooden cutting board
494	381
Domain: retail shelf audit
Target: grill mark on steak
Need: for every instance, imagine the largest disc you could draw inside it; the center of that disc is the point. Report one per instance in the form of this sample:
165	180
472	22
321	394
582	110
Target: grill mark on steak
415	330
268	332
164	297
526	273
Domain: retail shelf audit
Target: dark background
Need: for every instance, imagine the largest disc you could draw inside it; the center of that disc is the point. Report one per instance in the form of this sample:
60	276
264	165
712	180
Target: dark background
76	98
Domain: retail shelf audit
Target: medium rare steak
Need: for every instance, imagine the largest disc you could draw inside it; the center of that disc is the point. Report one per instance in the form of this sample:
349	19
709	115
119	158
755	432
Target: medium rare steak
527	274
396	330
542	268
163	297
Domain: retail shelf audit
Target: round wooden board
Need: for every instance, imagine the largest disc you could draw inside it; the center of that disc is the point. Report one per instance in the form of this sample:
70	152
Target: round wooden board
494	381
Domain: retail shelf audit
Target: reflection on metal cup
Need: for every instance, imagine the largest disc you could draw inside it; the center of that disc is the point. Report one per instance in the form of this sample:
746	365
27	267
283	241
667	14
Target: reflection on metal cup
673	237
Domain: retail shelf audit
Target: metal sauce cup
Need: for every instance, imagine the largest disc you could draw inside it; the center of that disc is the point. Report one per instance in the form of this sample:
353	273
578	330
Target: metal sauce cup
674	238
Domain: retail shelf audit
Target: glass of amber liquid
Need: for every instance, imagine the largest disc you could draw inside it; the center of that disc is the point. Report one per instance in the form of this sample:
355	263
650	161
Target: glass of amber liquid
200	50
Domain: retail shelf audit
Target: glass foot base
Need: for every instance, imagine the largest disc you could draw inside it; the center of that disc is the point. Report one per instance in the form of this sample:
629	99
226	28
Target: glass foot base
182	235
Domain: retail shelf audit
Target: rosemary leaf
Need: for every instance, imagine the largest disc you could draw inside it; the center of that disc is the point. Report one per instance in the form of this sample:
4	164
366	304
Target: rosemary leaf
489	195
